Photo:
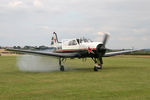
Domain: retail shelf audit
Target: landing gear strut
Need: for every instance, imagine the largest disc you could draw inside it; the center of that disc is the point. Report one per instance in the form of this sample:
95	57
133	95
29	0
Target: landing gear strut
61	66
98	63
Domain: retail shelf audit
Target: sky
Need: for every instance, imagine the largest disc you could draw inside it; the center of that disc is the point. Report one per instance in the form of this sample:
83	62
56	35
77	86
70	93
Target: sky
32	22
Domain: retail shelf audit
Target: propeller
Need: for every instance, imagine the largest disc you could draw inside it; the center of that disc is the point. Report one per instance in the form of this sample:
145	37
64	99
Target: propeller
105	39
101	47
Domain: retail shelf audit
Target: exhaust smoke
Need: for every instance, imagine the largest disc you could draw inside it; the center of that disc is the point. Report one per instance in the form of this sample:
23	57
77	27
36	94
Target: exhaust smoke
35	63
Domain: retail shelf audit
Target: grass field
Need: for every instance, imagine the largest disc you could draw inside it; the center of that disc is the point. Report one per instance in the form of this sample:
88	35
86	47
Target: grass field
122	78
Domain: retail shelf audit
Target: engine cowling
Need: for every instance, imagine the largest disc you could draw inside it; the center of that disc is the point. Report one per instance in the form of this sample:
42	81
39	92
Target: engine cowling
100	50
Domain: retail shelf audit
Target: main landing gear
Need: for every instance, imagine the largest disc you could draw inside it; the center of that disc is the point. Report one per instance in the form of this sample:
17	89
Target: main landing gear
97	66
61	66
98	63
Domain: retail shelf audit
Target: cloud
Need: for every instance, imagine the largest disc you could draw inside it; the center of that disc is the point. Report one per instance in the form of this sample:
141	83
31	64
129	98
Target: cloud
37	3
144	38
140	30
44	27
100	33
127	38
15	4
126	20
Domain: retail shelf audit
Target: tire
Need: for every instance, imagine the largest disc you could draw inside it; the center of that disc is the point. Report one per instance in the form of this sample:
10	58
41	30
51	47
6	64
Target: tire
95	69
100	67
62	68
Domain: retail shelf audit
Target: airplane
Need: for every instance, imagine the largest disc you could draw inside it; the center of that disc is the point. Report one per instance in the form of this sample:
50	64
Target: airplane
77	48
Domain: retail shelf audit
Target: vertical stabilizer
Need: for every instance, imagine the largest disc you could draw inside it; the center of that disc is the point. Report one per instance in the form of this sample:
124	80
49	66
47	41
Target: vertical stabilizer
54	40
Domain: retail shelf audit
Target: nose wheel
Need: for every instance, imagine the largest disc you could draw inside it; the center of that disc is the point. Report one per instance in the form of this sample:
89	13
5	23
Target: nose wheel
98	64
95	69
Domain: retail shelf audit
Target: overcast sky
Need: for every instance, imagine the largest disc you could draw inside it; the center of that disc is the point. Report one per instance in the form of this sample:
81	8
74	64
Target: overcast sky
31	22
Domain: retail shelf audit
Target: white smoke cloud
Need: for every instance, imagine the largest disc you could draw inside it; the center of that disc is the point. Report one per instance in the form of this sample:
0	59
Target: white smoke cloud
32	63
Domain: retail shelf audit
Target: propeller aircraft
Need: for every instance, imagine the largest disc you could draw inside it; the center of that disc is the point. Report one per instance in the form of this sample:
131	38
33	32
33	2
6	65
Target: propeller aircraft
77	48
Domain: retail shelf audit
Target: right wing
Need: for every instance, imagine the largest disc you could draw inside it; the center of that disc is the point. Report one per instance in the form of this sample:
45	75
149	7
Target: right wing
118	53
47	53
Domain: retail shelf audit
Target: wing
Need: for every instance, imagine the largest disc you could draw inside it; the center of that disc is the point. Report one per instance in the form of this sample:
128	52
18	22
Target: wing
47	53
118	53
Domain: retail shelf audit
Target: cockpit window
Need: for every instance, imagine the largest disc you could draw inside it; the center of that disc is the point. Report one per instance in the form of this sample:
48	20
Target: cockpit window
81	40
90	40
78	41
73	42
85	40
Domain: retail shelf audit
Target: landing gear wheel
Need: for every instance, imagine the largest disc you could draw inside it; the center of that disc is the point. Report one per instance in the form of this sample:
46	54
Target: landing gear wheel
95	69
62	68
100	67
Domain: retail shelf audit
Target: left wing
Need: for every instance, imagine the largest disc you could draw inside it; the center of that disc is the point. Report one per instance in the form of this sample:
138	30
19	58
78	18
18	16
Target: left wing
48	53
118	53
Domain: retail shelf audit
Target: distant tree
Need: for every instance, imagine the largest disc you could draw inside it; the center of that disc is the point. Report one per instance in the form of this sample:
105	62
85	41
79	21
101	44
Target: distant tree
18	47
15	47
43	47
26	47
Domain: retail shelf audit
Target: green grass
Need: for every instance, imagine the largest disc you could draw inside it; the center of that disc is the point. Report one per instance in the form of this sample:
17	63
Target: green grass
122	78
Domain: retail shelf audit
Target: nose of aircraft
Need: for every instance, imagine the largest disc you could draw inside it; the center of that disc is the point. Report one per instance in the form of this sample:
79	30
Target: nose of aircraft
100	49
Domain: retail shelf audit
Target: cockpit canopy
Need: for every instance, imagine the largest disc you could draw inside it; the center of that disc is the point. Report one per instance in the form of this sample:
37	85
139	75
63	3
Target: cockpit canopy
83	40
79	41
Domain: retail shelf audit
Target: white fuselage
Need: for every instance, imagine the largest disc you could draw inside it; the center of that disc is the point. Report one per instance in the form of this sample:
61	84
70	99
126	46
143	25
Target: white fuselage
76	45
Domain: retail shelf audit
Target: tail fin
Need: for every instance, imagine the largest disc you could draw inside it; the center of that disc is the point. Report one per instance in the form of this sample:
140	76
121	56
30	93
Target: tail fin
54	39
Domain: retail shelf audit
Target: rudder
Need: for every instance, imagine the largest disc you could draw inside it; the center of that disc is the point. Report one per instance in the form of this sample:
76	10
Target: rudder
54	39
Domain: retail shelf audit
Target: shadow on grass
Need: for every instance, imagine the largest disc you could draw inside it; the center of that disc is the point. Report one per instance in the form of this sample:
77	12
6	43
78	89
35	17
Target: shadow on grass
118	68
72	69
105	68
80	69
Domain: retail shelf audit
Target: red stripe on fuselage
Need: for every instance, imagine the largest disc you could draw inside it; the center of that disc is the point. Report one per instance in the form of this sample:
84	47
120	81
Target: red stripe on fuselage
73	50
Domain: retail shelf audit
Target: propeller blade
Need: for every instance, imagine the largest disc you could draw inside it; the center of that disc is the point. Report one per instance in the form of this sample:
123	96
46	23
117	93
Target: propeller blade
106	35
